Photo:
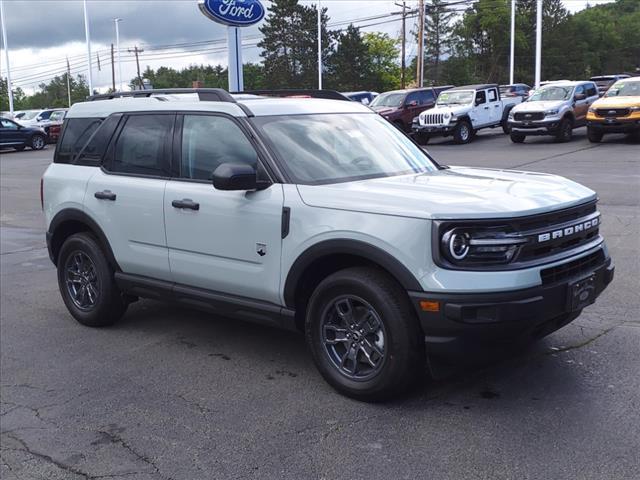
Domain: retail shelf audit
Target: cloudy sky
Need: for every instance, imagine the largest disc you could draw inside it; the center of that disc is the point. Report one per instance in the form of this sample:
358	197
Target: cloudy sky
42	33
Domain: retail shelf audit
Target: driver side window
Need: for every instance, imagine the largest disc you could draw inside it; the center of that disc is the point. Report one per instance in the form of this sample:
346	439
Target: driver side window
9	125
481	97
209	141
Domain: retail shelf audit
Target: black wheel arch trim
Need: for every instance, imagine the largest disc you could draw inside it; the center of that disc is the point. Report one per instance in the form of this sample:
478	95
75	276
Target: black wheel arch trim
75	215
355	248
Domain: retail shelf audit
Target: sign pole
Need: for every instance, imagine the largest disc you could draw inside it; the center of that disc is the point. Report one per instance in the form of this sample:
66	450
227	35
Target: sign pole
513	41
538	42
234	49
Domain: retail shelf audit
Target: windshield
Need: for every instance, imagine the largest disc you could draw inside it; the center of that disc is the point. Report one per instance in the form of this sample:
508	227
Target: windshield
330	148
551	93
29	115
56	116
462	97
388	100
624	88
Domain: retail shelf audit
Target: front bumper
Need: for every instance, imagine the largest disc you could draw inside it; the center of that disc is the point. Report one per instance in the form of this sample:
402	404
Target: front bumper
537	127
465	323
614	126
433	129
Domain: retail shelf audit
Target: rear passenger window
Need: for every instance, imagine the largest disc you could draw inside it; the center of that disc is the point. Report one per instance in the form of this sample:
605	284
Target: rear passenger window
93	151
74	136
209	141
493	95
591	90
143	145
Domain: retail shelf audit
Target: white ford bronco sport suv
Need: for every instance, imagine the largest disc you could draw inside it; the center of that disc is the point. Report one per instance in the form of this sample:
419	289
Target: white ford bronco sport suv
462	111
314	215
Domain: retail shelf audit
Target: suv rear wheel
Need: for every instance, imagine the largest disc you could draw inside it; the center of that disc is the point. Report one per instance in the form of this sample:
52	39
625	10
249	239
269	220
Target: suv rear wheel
364	335
86	282
38	142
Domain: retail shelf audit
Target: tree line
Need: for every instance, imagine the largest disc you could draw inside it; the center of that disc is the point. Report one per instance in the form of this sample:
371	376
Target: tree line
461	47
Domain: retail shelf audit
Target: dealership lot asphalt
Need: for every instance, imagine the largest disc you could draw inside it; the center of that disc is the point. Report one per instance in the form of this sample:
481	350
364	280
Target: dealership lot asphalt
176	394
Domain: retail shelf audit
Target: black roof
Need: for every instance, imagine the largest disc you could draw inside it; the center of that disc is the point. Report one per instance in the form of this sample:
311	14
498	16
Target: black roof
480	86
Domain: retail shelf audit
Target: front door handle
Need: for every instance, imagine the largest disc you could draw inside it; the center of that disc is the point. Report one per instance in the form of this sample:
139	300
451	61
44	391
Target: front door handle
486	108
105	195
186	203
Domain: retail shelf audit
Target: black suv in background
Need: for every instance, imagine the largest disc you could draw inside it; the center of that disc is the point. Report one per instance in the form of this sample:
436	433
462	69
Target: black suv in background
400	107
13	135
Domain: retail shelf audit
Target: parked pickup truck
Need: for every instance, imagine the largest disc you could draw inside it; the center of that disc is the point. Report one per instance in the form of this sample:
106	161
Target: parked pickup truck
462	111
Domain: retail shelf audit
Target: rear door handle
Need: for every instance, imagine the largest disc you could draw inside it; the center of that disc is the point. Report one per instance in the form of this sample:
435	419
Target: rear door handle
186	203
105	195
486	108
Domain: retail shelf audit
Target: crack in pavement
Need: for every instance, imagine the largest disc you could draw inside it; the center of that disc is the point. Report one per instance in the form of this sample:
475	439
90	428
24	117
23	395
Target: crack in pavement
116	439
582	344
554	156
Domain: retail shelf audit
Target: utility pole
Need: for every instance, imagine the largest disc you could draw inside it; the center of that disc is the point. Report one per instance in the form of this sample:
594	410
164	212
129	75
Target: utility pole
420	62
538	42
113	71
404	42
137	50
6	56
513	41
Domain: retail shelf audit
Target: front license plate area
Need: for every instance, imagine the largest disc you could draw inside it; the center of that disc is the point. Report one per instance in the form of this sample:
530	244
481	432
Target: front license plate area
581	293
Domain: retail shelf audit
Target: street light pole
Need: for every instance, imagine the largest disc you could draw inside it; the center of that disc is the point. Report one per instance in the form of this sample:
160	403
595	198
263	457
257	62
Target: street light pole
117	21
513	41
319	46
88	39
6	56
538	42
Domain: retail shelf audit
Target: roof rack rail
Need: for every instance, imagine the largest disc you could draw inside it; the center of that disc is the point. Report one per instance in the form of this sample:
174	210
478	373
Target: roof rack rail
204	94
300	92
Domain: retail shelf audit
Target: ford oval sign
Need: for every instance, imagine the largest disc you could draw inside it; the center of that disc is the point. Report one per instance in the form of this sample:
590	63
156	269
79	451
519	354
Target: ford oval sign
235	13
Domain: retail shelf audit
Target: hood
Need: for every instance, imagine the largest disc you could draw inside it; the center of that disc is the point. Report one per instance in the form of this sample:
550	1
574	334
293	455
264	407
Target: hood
616	102
539	106
458	192
454	109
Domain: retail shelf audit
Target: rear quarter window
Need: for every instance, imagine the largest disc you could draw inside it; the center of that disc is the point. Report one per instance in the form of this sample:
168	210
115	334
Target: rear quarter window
75	134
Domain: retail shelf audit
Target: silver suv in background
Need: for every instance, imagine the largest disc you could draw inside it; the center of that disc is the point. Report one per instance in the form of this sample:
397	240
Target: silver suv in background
555	109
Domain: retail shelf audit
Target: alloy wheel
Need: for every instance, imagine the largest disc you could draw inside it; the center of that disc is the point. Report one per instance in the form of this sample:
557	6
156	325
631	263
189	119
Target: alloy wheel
82	281
354	337
37	143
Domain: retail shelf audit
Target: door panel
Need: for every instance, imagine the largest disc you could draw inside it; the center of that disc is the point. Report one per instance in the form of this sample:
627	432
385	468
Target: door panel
230	242
219	246
133	222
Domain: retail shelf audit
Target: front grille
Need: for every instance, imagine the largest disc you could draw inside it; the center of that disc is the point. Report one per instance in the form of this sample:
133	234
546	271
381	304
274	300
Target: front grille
572	269
526	116
612	112
433	119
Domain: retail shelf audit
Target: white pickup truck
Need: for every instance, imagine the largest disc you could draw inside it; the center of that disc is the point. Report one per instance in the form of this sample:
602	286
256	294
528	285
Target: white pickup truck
462	111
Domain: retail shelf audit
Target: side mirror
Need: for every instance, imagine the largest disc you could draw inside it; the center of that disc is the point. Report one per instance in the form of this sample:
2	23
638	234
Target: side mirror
236	176
413	103
580	96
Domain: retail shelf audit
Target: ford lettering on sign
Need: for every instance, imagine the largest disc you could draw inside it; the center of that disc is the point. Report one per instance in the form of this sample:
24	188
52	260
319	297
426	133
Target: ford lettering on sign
235	13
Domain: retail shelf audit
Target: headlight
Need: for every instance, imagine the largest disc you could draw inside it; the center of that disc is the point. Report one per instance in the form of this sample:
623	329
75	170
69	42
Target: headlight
634	109
551	113
447	114
592	110
510	115
465	246
416	120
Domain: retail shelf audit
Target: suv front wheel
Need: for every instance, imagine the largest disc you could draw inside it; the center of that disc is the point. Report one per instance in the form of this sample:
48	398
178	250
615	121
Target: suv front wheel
364	335
86	282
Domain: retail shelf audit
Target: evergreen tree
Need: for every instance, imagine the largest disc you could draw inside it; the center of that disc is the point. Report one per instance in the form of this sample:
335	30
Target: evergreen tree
289	45
349	67
437	38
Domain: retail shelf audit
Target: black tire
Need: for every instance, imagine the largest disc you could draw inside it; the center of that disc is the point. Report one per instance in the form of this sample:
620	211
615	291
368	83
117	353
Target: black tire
517	137
422	138
20	148
108	305
399	337
38	142
505	127
594	136
565	130
462	133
